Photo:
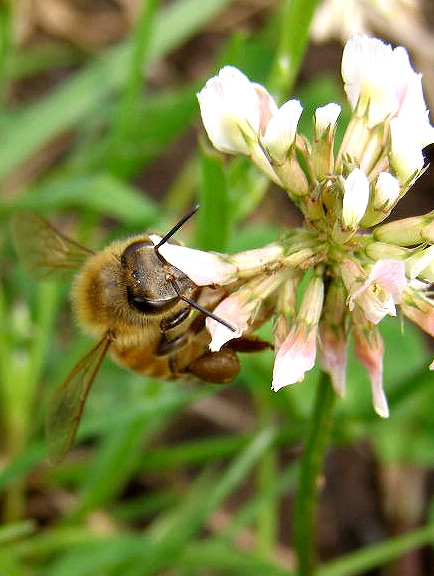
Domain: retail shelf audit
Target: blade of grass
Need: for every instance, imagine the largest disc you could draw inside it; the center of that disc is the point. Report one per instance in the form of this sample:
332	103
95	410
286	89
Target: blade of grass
377	555
5	46
79	97
141	37
214	217
173	531
217	556
113	464
97	192
294	19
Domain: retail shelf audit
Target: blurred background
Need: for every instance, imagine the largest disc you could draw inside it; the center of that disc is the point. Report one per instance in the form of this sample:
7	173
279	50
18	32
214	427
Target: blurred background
100	133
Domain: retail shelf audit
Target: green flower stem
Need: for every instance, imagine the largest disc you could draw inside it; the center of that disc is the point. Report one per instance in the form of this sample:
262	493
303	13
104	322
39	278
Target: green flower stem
304	529
267	472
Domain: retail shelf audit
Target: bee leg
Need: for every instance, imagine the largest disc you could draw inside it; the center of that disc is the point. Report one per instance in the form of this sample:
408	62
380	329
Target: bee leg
219	367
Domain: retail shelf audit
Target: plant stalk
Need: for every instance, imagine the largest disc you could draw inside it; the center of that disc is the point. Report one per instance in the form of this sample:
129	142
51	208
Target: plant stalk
305	506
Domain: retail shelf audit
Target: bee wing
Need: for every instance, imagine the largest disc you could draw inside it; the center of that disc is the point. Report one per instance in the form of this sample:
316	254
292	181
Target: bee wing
68	401
46	252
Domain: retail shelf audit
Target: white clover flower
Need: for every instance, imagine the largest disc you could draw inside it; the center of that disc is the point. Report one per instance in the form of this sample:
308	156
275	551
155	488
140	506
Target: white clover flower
381	291
380	81
230	108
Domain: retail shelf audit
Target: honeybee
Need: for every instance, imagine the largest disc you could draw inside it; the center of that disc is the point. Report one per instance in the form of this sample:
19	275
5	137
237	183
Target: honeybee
147	314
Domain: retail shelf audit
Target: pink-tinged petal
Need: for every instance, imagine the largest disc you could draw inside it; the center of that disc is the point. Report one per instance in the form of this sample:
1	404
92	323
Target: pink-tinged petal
369	349
333	356
237	312
333	336
267	106
390	275
380	292
295	356
204	268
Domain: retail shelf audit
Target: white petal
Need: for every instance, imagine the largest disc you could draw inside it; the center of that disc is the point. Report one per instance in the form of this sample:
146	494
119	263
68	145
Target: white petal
356	197
387	189
366	70
281	130
326	117
379	399
418	262
204	268
406	149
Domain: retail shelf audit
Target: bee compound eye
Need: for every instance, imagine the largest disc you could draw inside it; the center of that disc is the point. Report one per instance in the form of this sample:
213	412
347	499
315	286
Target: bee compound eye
147	305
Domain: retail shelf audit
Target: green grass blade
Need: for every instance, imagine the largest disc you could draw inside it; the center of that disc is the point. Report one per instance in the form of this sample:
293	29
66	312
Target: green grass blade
213	219
79	97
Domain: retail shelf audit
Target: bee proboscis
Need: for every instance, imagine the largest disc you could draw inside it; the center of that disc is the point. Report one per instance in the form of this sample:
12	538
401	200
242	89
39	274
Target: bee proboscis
147	314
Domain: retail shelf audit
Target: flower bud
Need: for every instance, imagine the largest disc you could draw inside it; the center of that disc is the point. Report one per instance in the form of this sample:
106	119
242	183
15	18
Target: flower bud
380	250
281	130
385	194
419	261
408	231
325	119
406	152
356	197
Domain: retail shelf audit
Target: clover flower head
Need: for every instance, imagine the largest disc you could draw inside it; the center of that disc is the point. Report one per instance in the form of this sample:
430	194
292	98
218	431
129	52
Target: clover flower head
357	269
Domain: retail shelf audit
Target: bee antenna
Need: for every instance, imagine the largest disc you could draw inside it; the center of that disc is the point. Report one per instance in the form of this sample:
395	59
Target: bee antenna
197	306
177	226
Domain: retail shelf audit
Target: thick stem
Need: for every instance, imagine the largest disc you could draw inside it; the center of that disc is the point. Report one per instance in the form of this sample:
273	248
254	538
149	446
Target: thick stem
305	505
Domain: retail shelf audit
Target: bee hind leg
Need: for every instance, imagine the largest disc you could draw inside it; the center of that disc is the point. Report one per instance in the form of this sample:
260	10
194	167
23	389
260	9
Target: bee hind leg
218	367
